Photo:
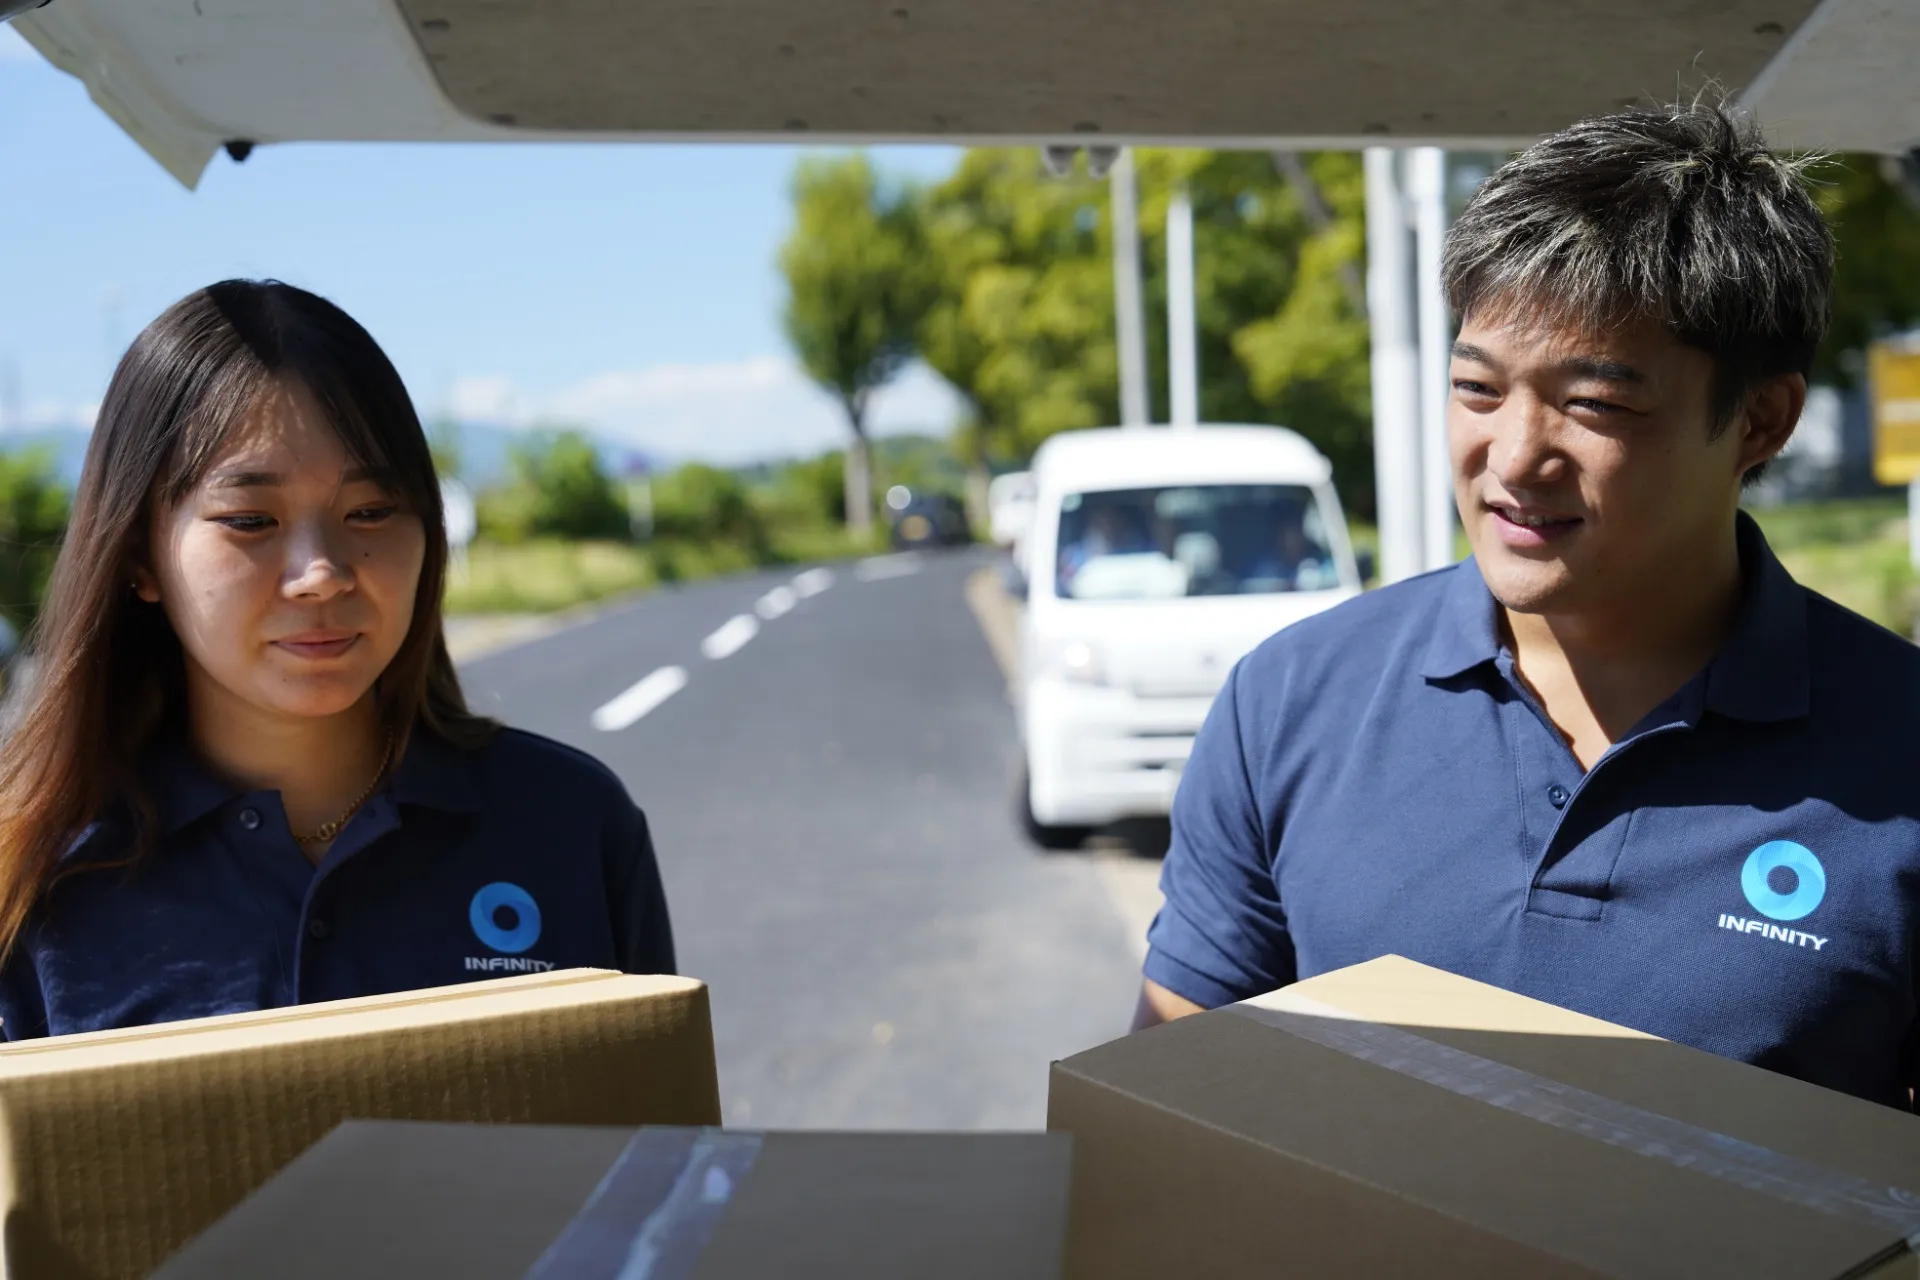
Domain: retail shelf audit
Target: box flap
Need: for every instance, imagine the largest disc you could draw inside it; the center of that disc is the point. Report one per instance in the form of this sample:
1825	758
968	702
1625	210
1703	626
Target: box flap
1549	1186
116	1147
387	1201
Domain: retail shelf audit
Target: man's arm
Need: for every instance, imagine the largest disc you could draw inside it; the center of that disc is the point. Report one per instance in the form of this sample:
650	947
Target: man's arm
1158	1005
1221	934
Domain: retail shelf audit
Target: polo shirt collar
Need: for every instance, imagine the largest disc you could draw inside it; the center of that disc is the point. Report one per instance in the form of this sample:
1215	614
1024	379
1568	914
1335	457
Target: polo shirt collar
433	774
1467	632
1761	674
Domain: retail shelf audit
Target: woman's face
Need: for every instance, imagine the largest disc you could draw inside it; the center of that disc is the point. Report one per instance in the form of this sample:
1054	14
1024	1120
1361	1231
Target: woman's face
288	573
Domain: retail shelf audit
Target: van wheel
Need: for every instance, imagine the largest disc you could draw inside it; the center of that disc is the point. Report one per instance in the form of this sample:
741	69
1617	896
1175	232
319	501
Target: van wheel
1043	834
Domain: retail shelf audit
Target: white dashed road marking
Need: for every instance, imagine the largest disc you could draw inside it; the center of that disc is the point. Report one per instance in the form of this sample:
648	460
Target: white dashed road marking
731	638
775	603
812	582
640	699
879	567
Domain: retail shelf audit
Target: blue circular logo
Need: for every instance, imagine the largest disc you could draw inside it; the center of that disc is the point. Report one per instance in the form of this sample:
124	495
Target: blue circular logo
1809	887
498	898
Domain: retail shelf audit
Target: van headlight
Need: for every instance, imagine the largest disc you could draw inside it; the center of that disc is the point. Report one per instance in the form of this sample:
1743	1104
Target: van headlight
1074	661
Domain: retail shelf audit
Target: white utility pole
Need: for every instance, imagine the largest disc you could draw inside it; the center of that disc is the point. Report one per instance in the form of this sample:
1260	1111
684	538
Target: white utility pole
1395	367
1183	344
1128	313
1427	185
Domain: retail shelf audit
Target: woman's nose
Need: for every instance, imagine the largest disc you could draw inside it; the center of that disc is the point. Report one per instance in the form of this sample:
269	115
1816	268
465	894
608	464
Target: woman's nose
316	567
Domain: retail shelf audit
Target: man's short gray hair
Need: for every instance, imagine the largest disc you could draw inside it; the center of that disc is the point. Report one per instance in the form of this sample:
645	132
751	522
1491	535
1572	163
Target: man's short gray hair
1680	215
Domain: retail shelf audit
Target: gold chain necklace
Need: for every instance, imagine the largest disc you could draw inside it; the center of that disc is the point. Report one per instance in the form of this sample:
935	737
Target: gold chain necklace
322	835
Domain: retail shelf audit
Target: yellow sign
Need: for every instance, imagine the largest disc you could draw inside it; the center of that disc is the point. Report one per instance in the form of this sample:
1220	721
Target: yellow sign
1893	378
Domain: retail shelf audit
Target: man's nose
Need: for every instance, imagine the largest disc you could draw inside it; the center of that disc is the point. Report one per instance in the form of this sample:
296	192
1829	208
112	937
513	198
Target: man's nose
1524	452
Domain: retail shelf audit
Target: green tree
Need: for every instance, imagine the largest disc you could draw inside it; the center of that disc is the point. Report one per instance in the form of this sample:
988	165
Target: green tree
443	440
855	290
559	489
1876	282
33	517
1020	319
699	503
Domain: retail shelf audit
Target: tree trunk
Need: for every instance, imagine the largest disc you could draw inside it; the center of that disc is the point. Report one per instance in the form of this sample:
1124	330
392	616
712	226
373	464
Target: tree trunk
859	478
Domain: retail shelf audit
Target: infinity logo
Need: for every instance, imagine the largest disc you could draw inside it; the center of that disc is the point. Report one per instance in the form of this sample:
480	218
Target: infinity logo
501	897
1810	880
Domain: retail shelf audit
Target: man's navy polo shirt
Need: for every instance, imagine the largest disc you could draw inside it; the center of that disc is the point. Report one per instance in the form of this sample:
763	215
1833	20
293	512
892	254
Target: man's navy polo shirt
1740	873
521	856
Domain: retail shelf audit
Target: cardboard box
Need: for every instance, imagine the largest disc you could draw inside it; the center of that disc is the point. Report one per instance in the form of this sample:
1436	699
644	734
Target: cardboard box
383	1201
1390	1119
118	1147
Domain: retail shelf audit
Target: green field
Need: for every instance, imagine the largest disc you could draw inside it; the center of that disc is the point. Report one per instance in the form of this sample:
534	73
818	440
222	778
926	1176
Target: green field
544	576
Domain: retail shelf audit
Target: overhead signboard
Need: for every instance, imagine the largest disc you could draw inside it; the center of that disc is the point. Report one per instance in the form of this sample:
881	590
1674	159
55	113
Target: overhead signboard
1893	378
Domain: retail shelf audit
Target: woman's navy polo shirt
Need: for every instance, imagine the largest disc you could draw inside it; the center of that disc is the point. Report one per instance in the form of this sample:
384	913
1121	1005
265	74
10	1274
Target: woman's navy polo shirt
1740	873
517	857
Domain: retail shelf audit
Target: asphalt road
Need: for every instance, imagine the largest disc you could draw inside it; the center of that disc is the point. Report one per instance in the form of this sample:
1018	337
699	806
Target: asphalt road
829	792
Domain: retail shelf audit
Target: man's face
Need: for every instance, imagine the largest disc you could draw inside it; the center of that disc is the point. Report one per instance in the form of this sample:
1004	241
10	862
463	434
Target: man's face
1585	465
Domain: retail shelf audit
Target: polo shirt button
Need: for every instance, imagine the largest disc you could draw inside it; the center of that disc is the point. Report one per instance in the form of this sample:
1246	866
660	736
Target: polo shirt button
317	928
250	819
1557	796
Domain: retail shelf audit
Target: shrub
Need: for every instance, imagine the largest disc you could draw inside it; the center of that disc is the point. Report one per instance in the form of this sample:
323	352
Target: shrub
33	516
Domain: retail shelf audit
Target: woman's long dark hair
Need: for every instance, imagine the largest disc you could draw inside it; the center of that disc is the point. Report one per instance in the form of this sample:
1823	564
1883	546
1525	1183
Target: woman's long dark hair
110	673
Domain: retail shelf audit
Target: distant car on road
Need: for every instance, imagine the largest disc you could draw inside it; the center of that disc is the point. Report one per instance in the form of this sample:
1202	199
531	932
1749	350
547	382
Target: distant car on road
1157	558
927	520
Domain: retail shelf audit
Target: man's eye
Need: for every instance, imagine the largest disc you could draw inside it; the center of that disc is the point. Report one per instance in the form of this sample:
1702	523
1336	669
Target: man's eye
1468	387
244	524
1591	405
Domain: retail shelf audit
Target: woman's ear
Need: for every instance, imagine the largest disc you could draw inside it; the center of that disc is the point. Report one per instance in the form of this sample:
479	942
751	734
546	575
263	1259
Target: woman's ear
145	585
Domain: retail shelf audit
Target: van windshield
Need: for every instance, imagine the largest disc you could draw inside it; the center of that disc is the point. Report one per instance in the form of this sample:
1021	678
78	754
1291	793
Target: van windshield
1192	540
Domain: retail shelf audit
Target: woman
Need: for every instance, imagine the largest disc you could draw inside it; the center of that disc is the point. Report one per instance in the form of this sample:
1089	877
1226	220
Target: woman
245	775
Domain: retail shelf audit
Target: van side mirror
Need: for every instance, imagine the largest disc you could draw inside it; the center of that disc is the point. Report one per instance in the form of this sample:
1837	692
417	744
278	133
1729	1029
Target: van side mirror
1363	561
1013	581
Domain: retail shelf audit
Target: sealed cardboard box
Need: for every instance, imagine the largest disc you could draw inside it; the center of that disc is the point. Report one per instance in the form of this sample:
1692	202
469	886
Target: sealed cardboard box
1390	1119
387	1201
117	1147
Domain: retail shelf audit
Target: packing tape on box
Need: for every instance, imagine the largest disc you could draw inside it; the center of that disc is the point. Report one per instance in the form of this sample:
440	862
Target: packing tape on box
655	1210
1618	1124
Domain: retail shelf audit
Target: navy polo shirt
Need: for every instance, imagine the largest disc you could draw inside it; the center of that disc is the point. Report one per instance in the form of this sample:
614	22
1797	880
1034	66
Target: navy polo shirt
1740	873
518	857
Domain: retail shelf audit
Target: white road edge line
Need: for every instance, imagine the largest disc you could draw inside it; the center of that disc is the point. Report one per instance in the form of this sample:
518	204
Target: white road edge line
731	638
776	603
878	567
812	582
642	698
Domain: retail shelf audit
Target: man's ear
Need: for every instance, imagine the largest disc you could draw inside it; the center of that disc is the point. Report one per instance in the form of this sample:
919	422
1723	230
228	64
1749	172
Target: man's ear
1767	422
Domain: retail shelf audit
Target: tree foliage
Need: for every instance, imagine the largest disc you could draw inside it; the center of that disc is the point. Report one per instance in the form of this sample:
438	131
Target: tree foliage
1876	284
33	517
856	288
558	489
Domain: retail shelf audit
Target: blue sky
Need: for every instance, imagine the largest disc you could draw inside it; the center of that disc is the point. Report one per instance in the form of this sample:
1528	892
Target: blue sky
630	288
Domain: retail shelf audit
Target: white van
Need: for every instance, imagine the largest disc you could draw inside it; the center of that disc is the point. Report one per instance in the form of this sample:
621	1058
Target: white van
1155	559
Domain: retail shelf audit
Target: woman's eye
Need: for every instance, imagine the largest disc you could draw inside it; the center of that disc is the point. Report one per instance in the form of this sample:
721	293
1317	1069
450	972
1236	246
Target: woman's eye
373	514
244	524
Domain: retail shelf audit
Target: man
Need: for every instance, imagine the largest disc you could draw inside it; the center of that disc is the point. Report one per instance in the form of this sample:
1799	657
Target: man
1618	760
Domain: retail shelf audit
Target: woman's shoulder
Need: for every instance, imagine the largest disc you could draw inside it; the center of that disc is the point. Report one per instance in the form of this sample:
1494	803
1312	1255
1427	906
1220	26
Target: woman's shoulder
516	763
